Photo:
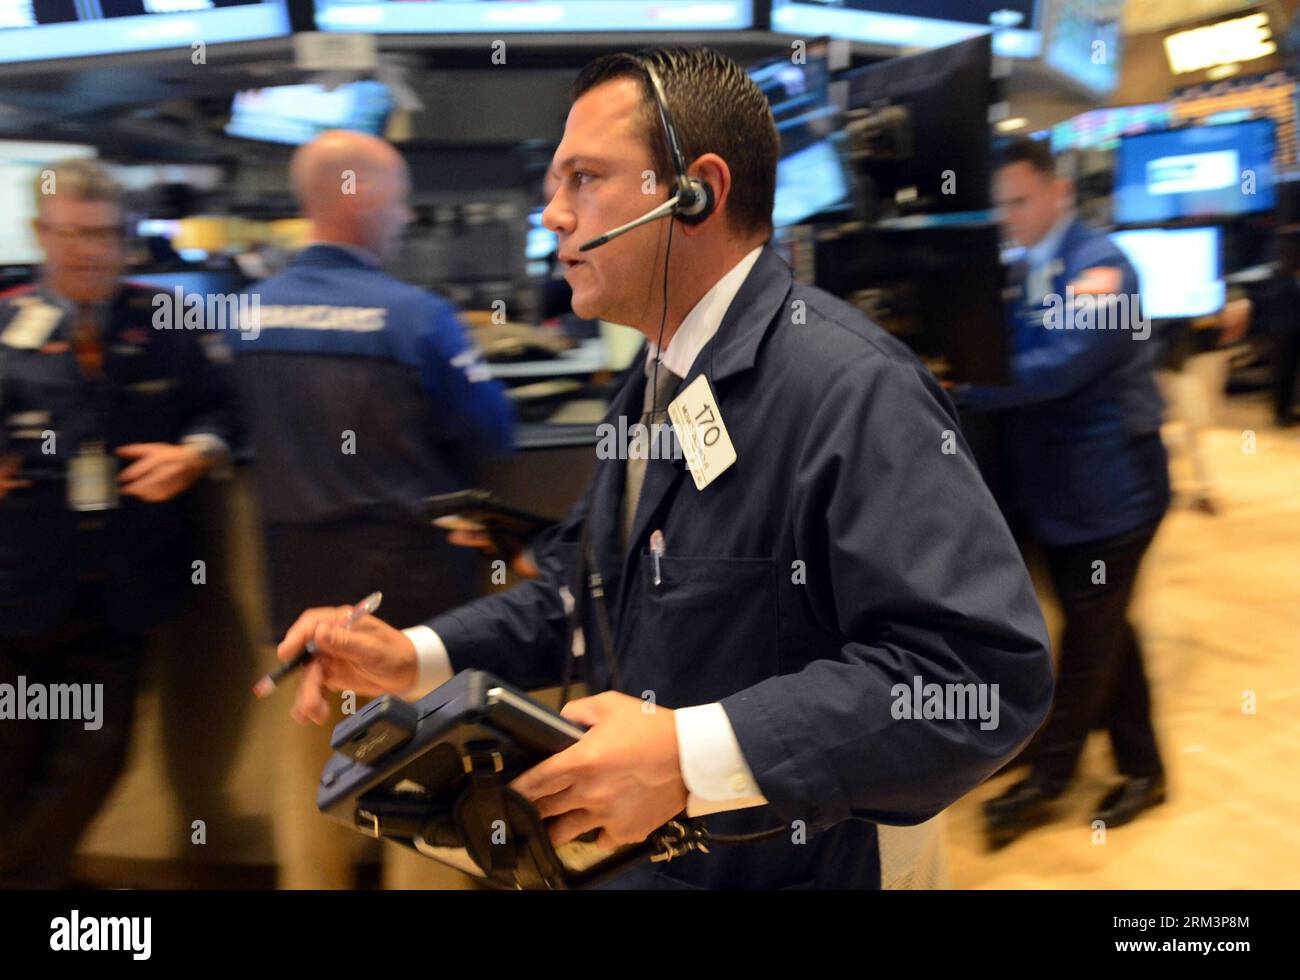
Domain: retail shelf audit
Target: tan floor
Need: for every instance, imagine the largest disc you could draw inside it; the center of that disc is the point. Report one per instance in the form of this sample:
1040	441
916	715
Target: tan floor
1219	612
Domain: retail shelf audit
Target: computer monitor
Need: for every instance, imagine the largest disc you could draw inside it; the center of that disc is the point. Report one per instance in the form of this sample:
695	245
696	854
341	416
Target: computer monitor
810	182
811	178
297	113
938	288
48	29
1180	270
1197	172
945	165
20	163
540	243
515	16
916	23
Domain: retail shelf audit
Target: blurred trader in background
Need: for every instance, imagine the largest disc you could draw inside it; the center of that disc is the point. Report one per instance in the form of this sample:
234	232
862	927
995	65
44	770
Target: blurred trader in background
1088	478
363	396
107	421
1277	311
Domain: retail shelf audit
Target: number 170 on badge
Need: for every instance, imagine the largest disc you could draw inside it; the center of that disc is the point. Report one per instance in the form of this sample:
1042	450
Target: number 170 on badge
702	433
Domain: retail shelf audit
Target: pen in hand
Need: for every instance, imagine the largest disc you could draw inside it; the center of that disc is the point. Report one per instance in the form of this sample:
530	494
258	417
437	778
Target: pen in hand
267	684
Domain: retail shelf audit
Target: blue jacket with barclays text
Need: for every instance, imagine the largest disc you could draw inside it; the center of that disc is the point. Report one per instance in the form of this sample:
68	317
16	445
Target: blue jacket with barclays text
362	393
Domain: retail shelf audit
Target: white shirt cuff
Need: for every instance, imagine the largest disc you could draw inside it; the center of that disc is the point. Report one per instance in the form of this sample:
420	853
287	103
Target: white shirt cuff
214	449
714	770
433	664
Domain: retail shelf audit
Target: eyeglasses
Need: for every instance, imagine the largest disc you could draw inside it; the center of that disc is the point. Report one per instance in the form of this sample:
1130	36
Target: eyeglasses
104	236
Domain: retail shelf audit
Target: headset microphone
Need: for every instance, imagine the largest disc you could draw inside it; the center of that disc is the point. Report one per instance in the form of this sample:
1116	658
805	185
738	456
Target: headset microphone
664	210
693	201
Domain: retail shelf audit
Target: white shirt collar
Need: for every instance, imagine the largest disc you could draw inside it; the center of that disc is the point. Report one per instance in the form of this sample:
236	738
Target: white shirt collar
1050	244
702	322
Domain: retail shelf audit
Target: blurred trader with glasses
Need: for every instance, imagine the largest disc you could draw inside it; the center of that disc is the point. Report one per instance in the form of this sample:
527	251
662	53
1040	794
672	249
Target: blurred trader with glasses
107	420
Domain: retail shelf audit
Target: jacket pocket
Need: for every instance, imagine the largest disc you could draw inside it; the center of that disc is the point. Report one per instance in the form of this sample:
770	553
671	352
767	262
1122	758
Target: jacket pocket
714	621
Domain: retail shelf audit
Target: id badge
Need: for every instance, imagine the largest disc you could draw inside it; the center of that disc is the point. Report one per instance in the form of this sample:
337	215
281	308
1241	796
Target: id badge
703	435
32	326
92	481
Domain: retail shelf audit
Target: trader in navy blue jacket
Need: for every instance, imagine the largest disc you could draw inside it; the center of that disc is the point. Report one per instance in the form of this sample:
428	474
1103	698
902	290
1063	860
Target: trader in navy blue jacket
832	634
109	418
363	396
1087	475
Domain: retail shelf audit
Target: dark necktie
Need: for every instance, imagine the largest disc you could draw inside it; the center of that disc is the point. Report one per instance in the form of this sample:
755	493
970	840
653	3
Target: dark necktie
88	342
657	396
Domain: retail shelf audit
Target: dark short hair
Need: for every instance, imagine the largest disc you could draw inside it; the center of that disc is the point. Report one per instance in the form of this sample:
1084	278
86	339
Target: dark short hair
717	108
1036	153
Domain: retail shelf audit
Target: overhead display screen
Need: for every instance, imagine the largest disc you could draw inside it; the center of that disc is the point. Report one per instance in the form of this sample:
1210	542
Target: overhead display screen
298	113
531	16
40	30
916	23
1102	129
1082	40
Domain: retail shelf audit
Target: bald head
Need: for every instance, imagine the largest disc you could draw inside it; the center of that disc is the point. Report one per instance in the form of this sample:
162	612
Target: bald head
354	187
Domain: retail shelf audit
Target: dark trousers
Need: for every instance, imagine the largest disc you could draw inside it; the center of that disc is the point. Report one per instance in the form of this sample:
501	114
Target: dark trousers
55	774
1100	680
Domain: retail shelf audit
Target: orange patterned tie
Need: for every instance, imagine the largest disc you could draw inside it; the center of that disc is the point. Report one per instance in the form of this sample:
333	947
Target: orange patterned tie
87	343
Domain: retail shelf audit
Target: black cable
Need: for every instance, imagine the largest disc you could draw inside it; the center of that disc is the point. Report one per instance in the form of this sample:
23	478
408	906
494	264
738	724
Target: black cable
744	838
663	318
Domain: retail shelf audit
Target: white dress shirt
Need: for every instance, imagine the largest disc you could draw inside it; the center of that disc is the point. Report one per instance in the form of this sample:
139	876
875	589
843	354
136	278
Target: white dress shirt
713	767
1042	258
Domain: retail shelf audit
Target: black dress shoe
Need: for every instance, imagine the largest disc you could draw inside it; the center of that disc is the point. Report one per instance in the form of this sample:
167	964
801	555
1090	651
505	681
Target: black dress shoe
1123	803
1021	808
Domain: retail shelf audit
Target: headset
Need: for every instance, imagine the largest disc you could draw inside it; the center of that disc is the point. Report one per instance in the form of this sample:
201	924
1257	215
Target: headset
693	201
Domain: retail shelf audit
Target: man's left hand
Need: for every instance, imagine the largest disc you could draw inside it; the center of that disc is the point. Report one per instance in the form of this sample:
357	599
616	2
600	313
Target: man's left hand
161	470
623	776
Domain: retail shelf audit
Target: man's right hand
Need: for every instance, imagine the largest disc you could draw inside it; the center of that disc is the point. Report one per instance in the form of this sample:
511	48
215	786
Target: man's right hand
369	658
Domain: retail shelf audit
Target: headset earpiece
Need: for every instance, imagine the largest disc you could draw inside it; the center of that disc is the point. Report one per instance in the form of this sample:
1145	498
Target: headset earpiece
700	206
694	196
